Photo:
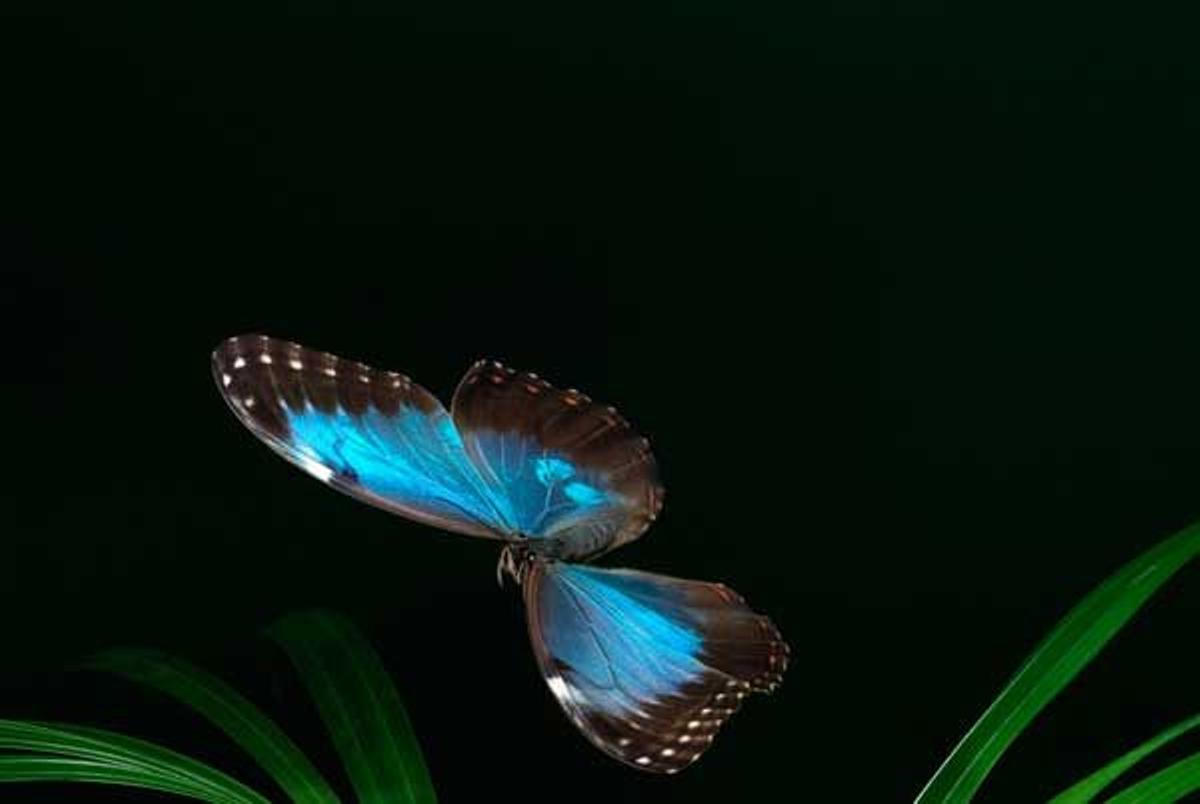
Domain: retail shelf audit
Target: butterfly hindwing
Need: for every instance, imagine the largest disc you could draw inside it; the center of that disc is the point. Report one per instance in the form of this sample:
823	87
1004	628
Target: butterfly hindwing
575	473
372	434
648	667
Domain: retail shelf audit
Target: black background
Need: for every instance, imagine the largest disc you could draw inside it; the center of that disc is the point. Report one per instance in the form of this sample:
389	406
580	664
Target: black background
905	298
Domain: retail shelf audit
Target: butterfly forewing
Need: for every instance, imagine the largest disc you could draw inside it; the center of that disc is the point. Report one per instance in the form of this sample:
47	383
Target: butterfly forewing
576	474
648	667
372	434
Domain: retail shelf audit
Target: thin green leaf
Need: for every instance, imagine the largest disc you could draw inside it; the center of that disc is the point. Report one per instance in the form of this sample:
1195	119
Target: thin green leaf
1073	643
58	769
1090	787
1169	784
226	708
360	706
106	747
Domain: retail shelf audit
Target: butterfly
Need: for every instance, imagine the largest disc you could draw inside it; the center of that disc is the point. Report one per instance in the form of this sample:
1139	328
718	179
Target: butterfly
648	667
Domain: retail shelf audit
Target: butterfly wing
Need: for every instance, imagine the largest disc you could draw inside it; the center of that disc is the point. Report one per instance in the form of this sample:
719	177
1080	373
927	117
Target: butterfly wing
648	667
574	473
372	434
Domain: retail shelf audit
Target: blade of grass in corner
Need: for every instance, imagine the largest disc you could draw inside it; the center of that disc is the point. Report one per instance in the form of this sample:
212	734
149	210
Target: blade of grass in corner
226	708
117	750
59	769
360	706
1167	785
1073	643
1088	788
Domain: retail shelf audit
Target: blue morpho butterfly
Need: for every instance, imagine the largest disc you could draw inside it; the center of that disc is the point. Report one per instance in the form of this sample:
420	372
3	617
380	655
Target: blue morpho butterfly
648	667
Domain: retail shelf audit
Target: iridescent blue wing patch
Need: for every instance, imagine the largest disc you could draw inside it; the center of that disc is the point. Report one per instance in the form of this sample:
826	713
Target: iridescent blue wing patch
648	667
574	473
372	434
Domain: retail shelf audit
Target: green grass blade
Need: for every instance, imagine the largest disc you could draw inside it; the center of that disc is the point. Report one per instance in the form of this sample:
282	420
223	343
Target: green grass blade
1169	784
58	769
1088	788
360	706
1073	643
228	710
109	748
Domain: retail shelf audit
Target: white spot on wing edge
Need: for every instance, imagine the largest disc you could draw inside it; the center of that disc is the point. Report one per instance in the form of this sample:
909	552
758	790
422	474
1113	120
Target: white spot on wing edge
239	362
642	760
226	379
265	358
558	687
315	468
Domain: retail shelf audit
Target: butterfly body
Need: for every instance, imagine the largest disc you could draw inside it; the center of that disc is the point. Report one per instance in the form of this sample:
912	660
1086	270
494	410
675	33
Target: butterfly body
647	666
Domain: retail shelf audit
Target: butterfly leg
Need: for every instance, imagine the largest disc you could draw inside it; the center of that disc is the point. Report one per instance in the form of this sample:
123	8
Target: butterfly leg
514	562
505	565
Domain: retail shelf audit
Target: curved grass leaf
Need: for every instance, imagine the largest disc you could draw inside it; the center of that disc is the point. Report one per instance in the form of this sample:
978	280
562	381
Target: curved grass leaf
1073	643
226	708
58	769
144	759
360	706
1169	784
1090	787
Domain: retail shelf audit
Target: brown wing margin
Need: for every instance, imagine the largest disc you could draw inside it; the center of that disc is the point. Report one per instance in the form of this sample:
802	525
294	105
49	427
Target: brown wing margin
258	375
593	436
